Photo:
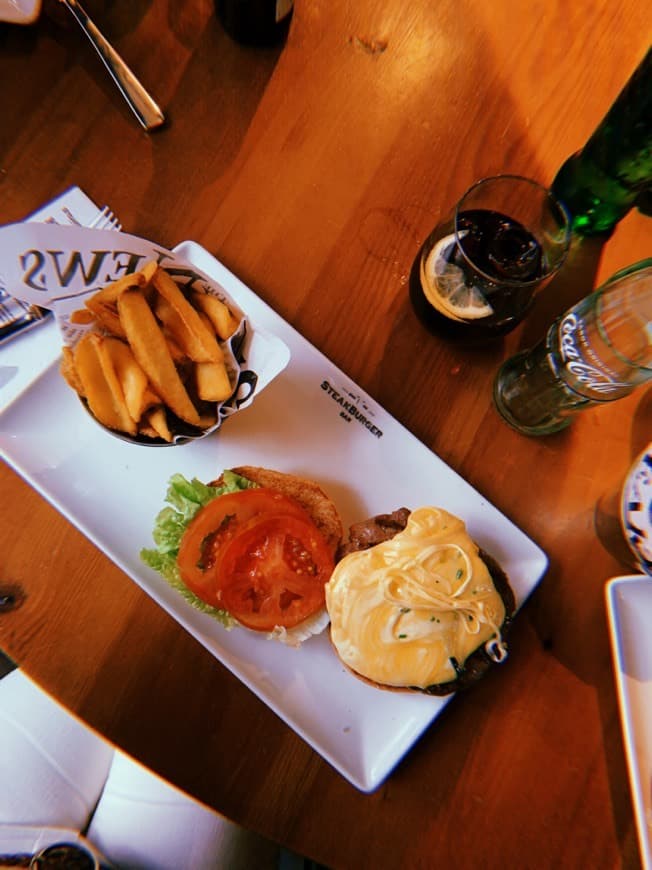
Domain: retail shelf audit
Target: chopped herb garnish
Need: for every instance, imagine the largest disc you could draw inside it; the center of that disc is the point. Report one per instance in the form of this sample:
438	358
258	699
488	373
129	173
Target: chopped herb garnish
458	574
402	635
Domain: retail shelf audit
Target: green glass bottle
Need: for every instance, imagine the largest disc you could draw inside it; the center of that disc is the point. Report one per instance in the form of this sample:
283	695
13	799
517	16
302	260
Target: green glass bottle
601	183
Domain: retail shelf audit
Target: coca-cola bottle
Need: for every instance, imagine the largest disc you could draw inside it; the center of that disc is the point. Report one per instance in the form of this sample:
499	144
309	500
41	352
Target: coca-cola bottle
598	351
602	182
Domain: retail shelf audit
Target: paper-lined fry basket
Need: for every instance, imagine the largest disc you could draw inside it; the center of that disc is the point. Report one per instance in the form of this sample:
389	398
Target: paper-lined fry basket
158	351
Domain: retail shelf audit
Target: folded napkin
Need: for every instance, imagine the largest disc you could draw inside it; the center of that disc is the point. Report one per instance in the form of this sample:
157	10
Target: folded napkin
52	767
143	821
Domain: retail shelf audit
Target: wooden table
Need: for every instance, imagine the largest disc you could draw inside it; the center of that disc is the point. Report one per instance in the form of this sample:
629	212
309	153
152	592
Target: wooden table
314	172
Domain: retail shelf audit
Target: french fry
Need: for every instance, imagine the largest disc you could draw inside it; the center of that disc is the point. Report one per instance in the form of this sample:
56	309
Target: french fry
82	317
105	346
177	353
212	381
109	295
68	370
92	372
106	316
148	271
193	346
147	431
149	398
224	323
209	326
103	302
156	421
186	327
134	383
148	289
208	420
152	353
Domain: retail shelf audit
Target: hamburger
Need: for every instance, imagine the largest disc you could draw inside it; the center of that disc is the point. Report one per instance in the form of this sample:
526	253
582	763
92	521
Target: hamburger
414	604
253	548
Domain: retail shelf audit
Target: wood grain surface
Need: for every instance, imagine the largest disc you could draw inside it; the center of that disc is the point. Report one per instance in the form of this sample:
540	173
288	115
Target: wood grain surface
314	171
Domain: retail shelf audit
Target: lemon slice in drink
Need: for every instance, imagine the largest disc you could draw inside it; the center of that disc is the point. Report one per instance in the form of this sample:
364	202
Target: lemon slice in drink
445	288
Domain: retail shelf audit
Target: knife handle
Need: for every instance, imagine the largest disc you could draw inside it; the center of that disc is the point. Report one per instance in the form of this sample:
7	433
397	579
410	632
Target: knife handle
140	102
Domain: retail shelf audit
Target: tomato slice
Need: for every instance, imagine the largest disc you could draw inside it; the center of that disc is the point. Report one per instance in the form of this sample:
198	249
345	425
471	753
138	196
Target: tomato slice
216	524
273	572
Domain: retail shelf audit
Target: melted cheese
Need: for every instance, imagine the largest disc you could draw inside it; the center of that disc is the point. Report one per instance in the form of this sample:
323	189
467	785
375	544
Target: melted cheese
409	611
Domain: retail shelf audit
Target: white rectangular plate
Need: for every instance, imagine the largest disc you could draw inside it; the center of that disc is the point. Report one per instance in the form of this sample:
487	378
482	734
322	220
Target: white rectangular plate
313	421
629	608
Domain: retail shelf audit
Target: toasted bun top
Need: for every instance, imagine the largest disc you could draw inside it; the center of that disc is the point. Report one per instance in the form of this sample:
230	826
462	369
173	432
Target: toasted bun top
307	493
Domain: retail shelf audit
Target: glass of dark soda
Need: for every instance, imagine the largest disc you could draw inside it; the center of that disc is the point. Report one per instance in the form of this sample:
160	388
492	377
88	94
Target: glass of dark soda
477	272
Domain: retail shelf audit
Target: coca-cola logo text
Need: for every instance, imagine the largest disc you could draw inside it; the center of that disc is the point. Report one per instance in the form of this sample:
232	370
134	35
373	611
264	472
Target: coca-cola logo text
596	379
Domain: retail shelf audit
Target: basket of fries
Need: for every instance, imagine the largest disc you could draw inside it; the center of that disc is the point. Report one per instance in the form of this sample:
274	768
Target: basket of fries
157	352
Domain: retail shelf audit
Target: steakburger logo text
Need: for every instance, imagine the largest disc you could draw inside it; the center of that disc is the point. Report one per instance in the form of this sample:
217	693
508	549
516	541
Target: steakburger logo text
350	410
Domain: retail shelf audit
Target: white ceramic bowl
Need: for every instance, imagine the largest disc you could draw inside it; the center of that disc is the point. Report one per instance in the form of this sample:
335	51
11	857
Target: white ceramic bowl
636	509
20	11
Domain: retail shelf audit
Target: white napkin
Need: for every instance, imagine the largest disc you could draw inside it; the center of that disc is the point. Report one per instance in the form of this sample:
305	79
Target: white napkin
52	767
141	821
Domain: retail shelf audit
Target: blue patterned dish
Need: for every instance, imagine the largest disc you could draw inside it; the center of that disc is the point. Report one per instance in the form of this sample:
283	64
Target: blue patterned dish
637	509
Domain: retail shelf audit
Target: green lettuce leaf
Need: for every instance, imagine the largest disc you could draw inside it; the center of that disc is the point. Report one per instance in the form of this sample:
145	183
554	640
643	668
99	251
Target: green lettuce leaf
185	498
